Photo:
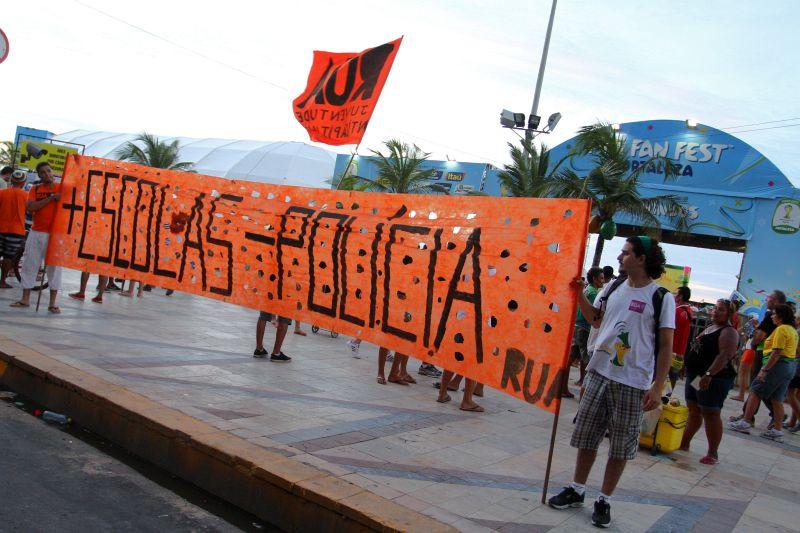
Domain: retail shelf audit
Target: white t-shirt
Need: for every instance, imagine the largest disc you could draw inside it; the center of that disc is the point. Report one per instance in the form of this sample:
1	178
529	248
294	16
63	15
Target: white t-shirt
625	347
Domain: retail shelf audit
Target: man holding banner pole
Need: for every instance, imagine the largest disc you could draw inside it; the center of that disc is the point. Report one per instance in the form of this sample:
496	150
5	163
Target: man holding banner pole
634	338
42	201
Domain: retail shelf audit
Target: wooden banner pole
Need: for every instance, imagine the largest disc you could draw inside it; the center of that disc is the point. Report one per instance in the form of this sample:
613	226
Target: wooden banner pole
552	446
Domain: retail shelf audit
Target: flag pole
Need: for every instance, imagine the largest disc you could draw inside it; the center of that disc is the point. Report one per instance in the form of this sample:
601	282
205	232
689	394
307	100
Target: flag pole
344	174
552	446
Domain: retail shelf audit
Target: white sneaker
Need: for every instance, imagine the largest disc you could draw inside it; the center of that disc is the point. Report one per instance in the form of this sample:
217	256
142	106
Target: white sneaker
742	426
773	434
354	345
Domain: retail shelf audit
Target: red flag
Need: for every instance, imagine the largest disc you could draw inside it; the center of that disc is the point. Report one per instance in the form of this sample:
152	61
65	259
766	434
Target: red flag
342	91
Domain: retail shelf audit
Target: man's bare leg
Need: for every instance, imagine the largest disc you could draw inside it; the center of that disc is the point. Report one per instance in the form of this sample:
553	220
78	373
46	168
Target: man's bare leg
447	375
614	469
583	465
101	287
53	306
261	325
280	334
81	294
396	372
404	370
5	268
382	353
467	403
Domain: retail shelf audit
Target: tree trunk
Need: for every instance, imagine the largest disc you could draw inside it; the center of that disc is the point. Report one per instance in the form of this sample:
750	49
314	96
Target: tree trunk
598	250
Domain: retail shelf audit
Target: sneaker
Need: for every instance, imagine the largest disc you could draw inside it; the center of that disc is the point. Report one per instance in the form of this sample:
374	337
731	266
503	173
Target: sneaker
735	418
795	428
280	358
601	517
771	424
773	434
426	369
260	354
77	296
111	286
568	497
742	426
390	357
354	345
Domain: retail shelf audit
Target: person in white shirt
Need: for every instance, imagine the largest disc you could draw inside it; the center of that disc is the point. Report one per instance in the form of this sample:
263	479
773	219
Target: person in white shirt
624	377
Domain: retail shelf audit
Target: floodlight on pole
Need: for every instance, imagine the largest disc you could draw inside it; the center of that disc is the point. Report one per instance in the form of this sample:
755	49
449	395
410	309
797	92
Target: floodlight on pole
542	64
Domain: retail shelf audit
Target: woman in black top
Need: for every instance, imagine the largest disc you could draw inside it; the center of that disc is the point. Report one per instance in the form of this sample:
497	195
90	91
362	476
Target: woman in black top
710	361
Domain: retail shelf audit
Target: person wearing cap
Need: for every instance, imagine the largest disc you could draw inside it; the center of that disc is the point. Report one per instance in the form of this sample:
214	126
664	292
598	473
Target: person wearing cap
12	223
42	201
624	377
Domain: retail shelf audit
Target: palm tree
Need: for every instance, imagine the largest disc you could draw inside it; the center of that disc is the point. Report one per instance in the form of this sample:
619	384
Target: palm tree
152	153
398	171
528	174
614	188
6	153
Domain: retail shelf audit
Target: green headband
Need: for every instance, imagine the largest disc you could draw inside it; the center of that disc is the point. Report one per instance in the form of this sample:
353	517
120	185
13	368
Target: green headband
646	242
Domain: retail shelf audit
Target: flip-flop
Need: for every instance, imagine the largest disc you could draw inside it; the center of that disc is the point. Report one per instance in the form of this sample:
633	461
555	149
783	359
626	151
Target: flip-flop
381	380
476	409
709	460
125	294
300	332
19	304
409	379
446	399
398	382
54	309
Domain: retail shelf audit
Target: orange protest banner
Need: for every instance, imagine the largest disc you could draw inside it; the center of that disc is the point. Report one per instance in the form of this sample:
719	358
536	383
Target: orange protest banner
477	285
342	91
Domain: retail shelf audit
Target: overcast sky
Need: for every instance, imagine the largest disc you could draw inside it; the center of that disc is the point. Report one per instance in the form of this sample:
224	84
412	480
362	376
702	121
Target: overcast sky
231	69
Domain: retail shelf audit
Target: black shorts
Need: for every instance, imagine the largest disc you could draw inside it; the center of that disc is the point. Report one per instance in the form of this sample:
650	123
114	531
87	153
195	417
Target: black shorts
268	317
713	397
795	383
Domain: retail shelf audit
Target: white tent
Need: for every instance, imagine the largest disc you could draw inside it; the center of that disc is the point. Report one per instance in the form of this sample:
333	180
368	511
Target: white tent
286	163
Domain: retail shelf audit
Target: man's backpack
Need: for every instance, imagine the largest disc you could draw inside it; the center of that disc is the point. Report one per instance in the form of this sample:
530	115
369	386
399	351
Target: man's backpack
658	302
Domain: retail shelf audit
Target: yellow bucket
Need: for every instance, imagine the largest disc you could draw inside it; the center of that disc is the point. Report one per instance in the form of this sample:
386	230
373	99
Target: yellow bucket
669	431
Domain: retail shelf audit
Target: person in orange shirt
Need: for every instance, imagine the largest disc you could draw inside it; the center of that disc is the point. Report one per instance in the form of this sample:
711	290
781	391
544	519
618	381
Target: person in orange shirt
42	201
12	223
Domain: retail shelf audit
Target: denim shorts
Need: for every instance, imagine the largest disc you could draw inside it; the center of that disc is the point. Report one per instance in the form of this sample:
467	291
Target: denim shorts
713	397
776	383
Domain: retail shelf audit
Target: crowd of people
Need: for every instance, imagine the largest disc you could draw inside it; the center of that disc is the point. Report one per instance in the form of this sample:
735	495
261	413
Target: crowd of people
631	338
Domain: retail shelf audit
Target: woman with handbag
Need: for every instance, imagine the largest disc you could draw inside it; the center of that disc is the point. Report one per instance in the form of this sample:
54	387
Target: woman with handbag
709	361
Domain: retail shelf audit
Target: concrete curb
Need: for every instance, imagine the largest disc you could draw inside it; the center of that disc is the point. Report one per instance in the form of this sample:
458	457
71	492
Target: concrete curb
286	493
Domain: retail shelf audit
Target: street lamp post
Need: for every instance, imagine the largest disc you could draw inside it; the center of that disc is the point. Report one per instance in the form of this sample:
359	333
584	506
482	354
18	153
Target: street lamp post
542	64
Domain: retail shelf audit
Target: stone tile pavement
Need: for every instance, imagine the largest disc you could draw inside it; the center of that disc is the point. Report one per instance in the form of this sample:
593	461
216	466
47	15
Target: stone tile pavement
479	472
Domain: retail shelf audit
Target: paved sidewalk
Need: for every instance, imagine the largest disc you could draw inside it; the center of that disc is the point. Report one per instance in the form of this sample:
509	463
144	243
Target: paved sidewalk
476	471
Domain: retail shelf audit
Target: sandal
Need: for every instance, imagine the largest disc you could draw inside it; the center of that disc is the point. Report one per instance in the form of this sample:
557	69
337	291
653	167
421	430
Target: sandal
19	304
473	409
409	379
446	399
300	332
709	460
397	381
381	380
54	309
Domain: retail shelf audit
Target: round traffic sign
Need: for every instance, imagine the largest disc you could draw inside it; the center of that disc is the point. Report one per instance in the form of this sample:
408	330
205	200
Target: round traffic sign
3	46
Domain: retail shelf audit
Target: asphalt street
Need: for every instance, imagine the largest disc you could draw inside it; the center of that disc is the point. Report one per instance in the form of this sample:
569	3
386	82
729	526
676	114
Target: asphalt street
52	481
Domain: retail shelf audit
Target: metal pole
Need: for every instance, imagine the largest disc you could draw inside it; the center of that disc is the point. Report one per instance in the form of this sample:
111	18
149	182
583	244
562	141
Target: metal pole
542	64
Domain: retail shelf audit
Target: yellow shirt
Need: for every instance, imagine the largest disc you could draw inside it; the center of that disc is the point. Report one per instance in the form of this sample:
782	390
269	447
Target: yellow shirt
785	338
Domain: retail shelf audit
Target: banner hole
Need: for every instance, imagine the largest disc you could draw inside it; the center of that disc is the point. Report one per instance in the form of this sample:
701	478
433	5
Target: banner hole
412	214
495	351
323	265
534	222
523	267
407	260
554	307
492	270
415	280
407	317
359	269
547	327
451	246
505	253
568	213
401	295
460	315
470	216
553	247
543	289
492	321
527	323
433	216
358	294
339	205
513	305
459	338
326	289
459	356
